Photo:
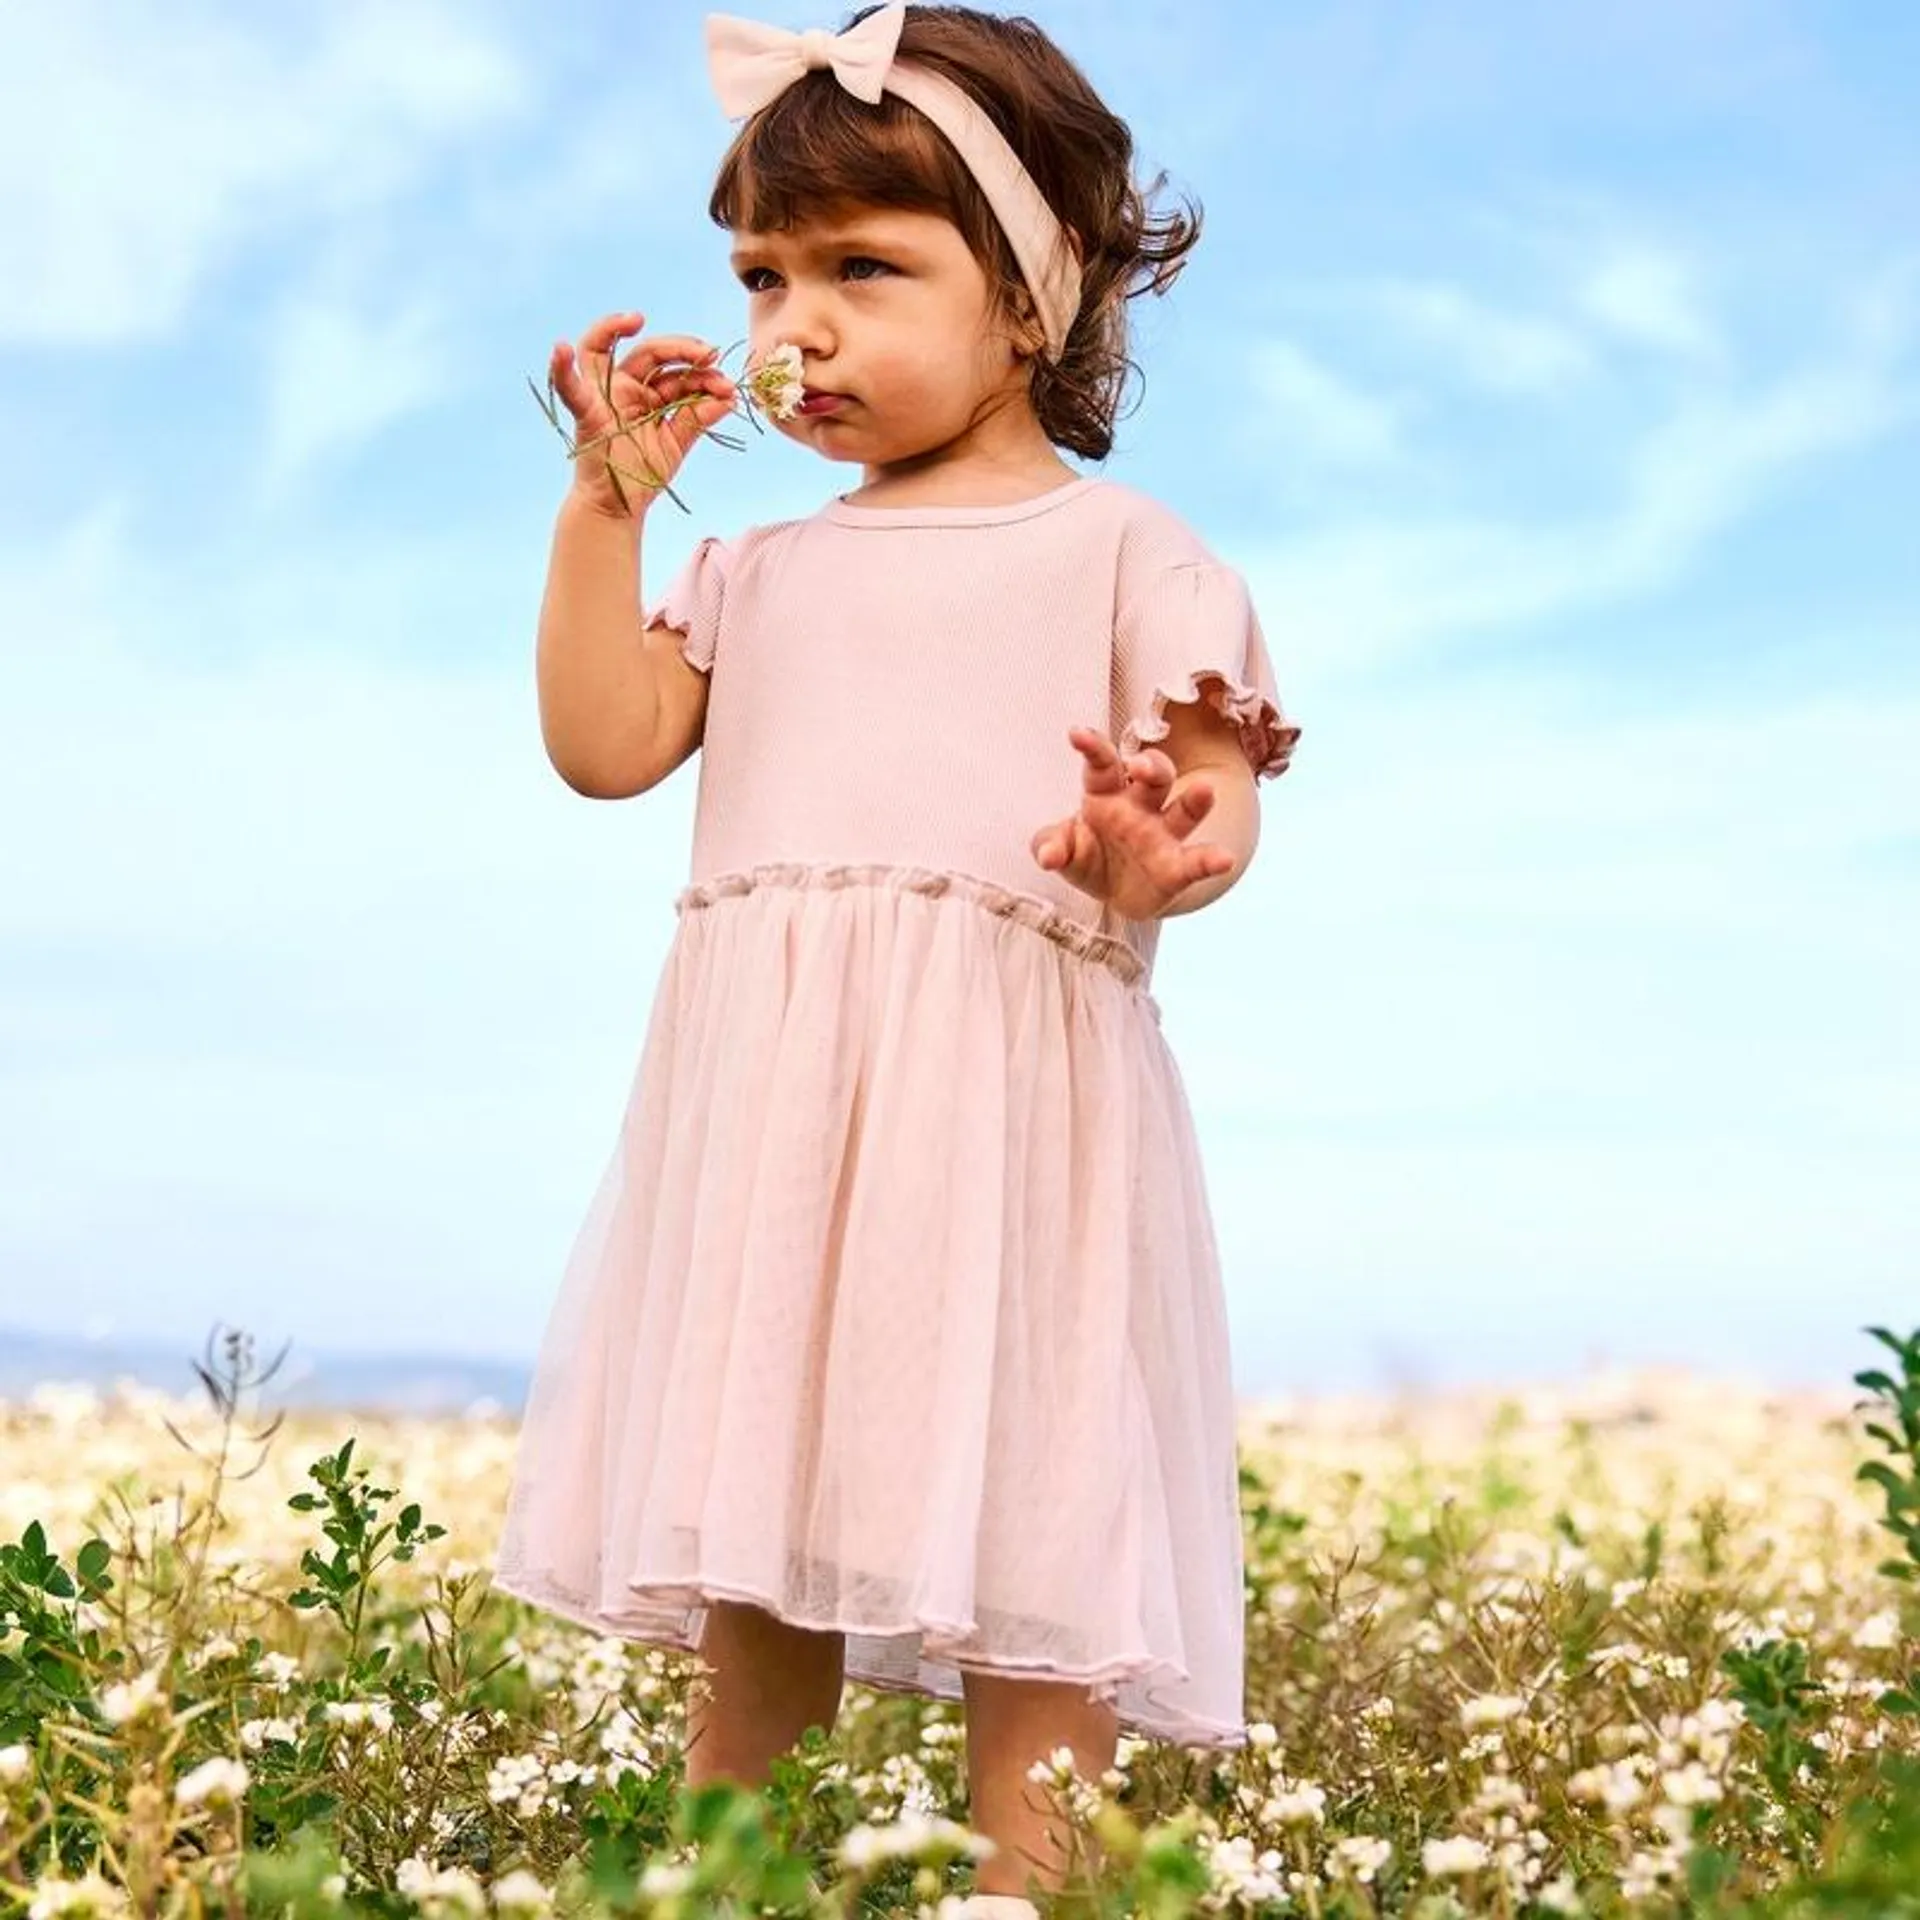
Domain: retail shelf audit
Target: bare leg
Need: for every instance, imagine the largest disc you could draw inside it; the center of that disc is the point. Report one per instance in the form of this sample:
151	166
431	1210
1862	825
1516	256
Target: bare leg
770	1683
1011	1723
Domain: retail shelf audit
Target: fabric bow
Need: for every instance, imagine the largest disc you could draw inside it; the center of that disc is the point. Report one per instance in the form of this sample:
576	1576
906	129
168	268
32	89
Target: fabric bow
752	64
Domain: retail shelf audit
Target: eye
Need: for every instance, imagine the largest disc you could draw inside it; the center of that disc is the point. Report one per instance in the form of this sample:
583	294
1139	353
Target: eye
863	260
747	279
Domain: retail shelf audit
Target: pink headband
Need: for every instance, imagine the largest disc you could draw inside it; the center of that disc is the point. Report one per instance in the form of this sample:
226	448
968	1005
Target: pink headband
752	65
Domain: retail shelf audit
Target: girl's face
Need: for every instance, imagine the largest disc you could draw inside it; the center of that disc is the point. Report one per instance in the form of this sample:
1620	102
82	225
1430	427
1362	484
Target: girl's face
902	363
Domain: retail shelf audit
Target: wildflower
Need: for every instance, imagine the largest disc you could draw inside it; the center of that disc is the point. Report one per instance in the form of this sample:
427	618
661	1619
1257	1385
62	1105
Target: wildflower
217	1782
1362	1855
1460	1853
360	1713
777	385
1235	1871
1262	1734
440	1891
277	1669
520	1892
254	1734
1055	1770
1645	1873
1878	1630
1617	1786
913	1834
220	1647
660	1879
1490	1709
1560	1896
140	1698
16	1762
1690	1786
1295	1804
89	1898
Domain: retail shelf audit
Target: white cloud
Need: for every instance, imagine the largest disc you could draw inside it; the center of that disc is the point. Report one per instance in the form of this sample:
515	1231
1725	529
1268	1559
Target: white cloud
1354	595
1649	295
1316	414
140	152
1492	346
336	377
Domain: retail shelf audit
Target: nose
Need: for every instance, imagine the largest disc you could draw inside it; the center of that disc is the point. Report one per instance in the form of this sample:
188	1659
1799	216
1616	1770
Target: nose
804	319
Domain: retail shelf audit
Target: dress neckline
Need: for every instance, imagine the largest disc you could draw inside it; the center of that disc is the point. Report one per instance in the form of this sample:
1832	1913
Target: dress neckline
941	514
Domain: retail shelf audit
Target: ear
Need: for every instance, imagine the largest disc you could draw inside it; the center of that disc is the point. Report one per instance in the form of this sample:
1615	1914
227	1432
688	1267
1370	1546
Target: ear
1028	335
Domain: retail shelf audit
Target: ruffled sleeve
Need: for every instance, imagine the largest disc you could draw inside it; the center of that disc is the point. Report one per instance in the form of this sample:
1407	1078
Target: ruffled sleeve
1192	633
693	602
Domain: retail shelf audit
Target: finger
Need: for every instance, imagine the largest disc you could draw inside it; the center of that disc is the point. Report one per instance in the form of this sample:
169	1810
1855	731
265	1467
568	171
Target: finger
1202	863
599	337
665	350
565	377
706	382
1152	768
1103	771
1188	808
1052	845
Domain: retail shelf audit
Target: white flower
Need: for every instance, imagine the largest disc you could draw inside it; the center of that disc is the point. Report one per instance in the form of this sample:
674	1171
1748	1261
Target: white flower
360	1713
440	1890
1262	1734
1363	1855
1296	1804
130	1700
661	1878
1459	1854
1489	1709
220	1647
217	1782
1878	1630
778	382
277	1669
88	1898
254	1734
1690	1785
908	1837
16	1762
520	1892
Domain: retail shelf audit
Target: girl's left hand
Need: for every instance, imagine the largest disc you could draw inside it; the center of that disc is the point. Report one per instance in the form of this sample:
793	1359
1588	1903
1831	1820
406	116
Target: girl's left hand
1128	843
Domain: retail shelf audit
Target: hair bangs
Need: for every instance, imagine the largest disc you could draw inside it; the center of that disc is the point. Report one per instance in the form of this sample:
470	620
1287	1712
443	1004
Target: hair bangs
818	149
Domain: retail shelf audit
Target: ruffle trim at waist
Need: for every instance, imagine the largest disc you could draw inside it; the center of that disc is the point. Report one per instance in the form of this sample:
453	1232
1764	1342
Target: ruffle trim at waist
1025	909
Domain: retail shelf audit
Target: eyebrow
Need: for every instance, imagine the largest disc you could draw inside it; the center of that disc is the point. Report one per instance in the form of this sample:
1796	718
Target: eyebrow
838	240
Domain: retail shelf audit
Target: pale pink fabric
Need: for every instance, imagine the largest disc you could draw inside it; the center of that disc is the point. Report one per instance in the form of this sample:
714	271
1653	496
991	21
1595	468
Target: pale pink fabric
898	1309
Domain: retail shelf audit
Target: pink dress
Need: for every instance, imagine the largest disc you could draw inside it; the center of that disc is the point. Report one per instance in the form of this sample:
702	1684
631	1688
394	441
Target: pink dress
898	1310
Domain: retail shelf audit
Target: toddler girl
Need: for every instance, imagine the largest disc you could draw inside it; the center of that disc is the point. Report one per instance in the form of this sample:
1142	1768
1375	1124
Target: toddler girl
893	1345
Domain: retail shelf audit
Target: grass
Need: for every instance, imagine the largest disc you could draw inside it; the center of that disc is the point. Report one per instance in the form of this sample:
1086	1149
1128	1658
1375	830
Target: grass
1633	1647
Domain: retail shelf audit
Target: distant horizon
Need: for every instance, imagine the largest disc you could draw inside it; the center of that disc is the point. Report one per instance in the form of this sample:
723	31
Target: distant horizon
1599	1366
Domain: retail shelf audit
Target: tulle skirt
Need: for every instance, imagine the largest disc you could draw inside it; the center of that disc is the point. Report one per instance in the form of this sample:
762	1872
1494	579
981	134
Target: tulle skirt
897	1311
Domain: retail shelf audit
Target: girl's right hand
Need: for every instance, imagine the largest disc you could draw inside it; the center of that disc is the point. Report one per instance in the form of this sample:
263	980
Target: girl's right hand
648	375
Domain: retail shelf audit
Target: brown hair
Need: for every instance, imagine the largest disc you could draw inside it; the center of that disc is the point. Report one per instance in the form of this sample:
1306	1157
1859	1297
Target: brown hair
817	145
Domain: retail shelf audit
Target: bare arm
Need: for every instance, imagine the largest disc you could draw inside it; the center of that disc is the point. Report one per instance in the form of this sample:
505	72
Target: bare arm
620	708
1205	747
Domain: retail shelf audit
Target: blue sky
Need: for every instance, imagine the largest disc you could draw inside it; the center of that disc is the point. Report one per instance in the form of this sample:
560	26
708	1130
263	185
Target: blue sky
1552	373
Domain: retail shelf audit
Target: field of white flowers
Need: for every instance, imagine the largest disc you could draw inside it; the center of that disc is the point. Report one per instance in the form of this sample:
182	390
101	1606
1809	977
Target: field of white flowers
1640	1646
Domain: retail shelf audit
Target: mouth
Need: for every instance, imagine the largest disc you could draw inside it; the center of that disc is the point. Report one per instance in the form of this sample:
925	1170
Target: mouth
814	400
